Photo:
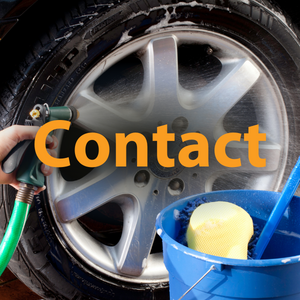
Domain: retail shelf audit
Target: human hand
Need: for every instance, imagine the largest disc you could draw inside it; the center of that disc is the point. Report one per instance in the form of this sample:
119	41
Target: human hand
13	135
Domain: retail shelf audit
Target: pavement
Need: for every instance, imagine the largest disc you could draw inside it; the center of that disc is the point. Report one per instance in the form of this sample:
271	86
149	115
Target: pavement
11	288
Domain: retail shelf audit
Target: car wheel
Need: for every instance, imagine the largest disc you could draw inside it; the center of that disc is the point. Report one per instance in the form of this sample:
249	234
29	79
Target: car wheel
205	66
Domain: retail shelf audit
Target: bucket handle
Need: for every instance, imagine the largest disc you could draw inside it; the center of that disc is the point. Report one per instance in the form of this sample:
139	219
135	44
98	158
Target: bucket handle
208	271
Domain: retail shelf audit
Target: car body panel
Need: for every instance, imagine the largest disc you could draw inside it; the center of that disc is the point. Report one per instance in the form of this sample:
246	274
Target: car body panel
10	12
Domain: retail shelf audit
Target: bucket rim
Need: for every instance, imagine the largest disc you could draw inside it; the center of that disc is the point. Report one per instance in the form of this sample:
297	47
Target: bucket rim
217	259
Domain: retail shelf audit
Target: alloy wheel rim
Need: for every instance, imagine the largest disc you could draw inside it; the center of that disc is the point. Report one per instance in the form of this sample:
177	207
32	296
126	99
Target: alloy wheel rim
167	95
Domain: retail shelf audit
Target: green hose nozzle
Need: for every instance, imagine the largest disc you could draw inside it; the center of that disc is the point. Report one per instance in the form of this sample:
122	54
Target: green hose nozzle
30	169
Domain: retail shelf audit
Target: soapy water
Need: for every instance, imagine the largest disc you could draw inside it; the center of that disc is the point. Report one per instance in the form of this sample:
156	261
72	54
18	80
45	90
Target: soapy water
184	219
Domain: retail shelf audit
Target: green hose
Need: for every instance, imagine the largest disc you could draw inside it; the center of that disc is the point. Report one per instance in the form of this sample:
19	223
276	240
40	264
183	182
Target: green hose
13	233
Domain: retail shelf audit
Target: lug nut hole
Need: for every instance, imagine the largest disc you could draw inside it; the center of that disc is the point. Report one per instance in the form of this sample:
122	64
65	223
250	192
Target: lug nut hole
180	125
141	178
175	186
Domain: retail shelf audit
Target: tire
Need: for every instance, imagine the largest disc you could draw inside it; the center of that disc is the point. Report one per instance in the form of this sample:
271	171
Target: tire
112	39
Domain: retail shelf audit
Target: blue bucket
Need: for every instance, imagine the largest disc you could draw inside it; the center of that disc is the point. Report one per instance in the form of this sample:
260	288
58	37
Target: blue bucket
275	276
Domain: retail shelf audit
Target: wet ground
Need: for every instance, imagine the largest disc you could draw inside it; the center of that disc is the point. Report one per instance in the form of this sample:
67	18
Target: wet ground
12	288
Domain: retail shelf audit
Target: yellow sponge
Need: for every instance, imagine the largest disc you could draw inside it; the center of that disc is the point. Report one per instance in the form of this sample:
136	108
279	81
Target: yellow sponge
220	228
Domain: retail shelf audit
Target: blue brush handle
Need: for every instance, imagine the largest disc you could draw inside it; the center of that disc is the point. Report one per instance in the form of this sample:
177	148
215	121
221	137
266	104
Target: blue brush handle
278	211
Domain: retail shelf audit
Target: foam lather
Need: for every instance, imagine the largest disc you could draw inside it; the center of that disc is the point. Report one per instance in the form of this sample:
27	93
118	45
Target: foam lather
220	228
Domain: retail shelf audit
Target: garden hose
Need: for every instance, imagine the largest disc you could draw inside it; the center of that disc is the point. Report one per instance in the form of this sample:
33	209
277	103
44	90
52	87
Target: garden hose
16	224
22	158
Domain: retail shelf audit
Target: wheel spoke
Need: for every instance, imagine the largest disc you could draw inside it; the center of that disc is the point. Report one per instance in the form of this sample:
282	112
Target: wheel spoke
269	151
161	80
203	178
134	247
140	211
88	193
209	106
96	115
